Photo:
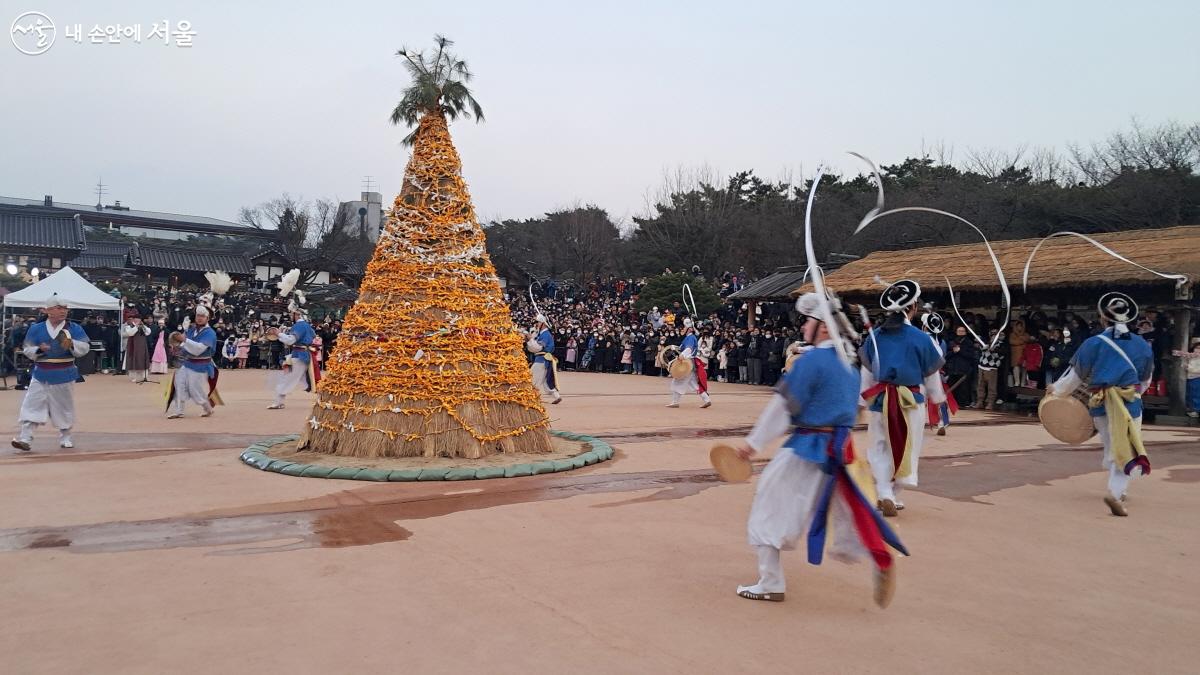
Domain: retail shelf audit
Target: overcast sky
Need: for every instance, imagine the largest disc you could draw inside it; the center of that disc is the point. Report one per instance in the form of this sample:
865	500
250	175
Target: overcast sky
584	103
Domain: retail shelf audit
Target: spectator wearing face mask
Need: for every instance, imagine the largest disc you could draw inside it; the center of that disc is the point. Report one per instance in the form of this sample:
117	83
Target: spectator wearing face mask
754	358
962	365
639	352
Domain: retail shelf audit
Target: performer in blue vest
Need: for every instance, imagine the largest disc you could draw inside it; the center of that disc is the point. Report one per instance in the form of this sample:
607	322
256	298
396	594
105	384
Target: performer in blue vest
808	488
696	381
1116	366
544	369
901	369
939	415
196	378
53	345
298	363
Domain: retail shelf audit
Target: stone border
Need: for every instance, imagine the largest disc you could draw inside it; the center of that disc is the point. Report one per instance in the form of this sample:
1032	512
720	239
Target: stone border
256	456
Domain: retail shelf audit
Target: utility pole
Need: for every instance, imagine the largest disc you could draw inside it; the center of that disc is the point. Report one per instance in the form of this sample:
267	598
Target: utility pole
100	194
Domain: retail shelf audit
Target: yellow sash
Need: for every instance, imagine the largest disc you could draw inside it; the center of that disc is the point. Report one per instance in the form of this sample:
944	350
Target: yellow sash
553	365
907	402
1125	436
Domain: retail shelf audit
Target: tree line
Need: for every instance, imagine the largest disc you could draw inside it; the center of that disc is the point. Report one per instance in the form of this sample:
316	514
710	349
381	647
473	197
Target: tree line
1143	177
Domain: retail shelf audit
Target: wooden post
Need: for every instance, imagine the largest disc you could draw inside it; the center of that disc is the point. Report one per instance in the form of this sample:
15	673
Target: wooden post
1177	366
751	307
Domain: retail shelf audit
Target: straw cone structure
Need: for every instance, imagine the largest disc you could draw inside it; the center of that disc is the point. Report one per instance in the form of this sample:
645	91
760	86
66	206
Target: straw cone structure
428	363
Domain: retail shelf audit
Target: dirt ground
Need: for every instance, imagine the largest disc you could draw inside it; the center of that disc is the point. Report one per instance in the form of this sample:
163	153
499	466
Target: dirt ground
150	548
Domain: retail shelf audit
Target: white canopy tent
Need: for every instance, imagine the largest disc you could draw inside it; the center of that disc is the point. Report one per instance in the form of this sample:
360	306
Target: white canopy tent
78	292
68	285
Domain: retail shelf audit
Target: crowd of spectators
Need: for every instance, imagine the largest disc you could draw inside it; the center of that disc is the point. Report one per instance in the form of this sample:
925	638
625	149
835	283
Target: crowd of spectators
241	322
598	329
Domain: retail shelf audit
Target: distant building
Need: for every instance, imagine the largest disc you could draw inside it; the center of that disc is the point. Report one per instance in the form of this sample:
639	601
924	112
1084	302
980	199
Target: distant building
115	241
38	240
363	218
117	219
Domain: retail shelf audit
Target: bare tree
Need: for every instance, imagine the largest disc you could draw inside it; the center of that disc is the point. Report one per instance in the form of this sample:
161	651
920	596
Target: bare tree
1171	146
588	239
686	217
313	234
991	162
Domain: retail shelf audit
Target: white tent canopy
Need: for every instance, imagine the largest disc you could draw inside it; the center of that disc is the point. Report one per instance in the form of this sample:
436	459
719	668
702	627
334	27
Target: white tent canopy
69	286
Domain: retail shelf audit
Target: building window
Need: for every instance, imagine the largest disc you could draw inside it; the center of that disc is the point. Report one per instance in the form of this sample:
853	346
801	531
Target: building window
56	263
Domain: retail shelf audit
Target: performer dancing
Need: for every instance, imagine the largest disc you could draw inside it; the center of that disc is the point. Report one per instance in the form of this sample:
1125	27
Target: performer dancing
544	369
939	415
807	484
901	370
196	378
697	379
53	345
137	349
1117	366
299	364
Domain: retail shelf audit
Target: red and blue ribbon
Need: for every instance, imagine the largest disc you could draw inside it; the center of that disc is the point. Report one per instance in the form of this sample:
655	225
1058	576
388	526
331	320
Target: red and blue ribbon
873	531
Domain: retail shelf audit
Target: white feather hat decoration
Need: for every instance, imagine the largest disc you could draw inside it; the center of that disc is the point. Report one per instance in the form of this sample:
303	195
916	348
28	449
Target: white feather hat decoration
219	282
289	281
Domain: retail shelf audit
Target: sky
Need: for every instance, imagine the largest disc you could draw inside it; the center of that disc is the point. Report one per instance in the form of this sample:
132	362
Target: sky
585	102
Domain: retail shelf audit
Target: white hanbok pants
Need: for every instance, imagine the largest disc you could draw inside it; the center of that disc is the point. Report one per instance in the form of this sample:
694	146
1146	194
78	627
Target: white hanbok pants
538	372
687	385
289	379
1118	480
879	452
54	403
191	386
782	513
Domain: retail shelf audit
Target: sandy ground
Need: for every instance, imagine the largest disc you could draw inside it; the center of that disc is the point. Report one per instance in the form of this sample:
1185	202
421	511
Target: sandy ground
150	548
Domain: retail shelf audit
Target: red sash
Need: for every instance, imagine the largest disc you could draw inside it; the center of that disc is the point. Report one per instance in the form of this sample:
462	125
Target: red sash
701	374
897	425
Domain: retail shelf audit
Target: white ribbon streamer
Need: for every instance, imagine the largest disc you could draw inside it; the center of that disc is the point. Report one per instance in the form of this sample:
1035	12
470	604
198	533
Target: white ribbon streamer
878	212
691	308
1180	279
818	277
536	310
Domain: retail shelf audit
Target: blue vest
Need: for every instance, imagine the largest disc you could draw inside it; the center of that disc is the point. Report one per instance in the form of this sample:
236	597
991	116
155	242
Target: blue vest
54	373
906	356
1101	366
821	391
208	337
690	342
304	337
547	342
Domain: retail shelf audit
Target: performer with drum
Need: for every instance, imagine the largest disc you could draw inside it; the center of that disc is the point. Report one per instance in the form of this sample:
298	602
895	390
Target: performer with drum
1115	367
52	345
806	488
901	371
196	379
299	365
688	372
544	370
